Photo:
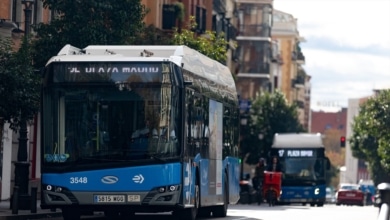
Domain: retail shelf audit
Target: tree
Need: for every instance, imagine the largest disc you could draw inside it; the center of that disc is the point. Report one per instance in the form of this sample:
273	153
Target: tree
19	85
82	23
269	114
210	44
371	136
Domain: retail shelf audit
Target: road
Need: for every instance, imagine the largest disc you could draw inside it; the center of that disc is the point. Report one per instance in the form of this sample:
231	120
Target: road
291	212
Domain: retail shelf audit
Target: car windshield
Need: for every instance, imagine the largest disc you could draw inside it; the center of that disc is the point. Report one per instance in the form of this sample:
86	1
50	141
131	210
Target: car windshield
349	187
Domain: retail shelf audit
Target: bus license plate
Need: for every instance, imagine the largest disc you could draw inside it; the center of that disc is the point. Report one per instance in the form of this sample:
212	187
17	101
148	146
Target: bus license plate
133	198
109	198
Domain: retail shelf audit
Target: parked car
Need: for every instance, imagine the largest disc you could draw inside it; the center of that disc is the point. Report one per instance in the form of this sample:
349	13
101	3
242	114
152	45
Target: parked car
350	194
330	196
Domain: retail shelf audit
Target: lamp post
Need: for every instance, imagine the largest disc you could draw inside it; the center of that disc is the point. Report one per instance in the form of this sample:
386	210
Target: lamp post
22	164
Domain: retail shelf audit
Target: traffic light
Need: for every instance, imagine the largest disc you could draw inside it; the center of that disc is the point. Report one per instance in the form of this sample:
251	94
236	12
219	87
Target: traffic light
342	141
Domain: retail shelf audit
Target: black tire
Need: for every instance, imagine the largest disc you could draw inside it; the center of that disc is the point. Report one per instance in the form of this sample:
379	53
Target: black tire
221	211
71	213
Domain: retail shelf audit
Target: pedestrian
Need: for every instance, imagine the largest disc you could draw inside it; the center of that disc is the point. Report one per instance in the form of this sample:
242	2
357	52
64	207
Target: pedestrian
257	180
274	166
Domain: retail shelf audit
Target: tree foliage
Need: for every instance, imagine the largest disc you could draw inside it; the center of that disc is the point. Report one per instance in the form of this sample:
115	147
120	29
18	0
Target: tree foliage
210	44
19	84
335	154
371	136
83	23
270	113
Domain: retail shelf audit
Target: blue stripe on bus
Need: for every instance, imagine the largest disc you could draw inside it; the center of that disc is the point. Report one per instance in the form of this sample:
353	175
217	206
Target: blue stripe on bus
304	192
140	178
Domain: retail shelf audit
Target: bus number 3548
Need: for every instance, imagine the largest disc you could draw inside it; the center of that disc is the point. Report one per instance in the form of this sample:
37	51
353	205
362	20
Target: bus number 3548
77	180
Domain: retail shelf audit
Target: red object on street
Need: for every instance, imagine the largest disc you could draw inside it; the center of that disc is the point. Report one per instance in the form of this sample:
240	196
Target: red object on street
272	186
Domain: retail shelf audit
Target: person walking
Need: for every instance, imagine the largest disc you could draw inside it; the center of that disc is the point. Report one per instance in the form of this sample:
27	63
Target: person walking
258	179
275	165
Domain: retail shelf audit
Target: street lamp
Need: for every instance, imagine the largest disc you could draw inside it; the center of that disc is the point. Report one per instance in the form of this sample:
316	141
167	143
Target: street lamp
27	15
22	165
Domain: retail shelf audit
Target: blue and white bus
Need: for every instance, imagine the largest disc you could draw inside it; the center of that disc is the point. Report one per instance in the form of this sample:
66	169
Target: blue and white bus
304	164
129	129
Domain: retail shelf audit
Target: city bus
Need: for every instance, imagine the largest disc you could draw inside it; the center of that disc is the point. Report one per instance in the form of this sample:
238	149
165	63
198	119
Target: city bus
130	129
304	164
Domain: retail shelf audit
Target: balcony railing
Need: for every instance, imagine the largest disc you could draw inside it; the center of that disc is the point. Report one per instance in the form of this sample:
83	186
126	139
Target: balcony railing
298	56
233	32
254	68
301	57
277	59
257	30
299	103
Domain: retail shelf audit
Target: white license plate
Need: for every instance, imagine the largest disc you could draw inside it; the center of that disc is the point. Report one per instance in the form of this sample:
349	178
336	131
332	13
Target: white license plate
133	198
350	194
109	198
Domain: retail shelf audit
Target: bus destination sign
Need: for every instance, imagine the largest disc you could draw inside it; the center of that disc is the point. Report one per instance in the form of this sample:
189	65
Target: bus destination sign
297	153
106	72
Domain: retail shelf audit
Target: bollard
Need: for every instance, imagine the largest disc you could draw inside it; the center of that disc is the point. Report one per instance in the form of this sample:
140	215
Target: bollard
15	198
384	192
34	199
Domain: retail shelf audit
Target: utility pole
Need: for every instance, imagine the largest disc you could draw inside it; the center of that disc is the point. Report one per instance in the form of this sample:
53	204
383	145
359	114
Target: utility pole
22	165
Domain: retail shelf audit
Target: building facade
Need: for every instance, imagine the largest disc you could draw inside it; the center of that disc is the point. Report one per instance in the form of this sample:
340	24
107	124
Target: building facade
254	52
292	81
355	169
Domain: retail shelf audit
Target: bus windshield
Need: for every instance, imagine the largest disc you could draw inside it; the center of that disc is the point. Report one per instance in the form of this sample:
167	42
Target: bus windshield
303	168
110	123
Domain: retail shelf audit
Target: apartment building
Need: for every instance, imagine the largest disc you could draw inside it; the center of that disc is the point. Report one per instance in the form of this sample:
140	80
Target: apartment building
254	47
292	81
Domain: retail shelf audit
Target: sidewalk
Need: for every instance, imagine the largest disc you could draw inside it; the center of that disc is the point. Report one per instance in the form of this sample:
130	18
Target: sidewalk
6	212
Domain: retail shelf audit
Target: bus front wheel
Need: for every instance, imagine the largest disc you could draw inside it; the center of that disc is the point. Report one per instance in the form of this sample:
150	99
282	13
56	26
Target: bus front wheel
189	213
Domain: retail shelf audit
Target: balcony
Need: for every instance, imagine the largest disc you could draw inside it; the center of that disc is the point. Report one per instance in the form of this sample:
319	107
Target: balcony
299	104
232	32
277	59
254	30
253	69
298	57
298	82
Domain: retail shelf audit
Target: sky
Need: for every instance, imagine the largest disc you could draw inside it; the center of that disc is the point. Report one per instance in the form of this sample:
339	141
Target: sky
347	48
